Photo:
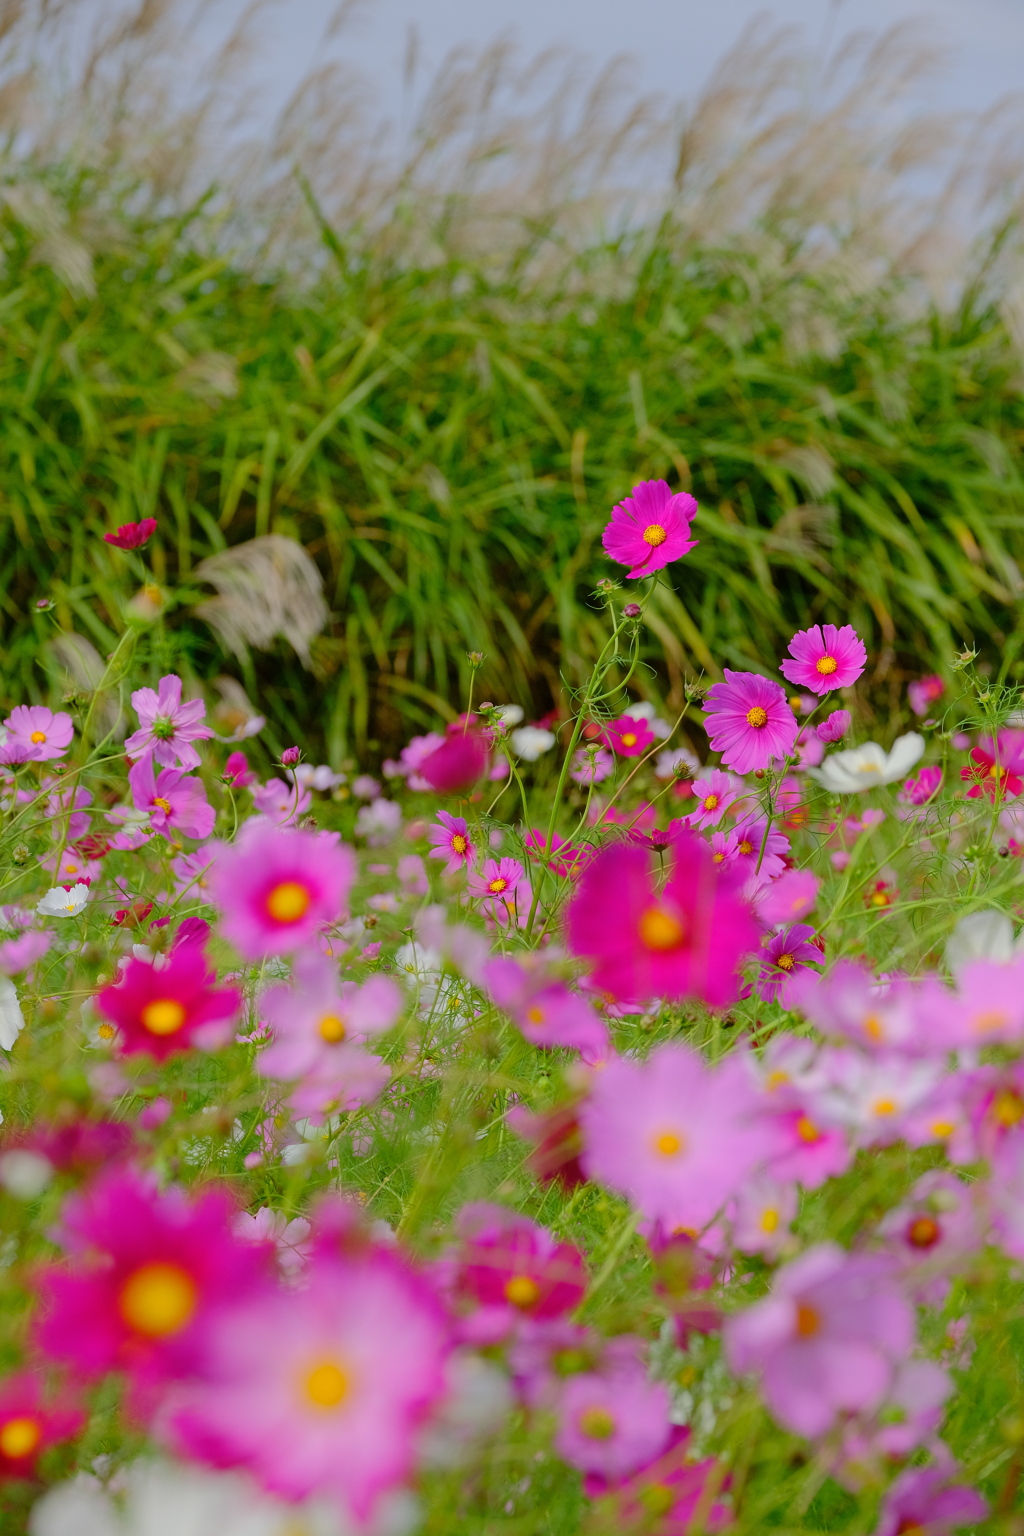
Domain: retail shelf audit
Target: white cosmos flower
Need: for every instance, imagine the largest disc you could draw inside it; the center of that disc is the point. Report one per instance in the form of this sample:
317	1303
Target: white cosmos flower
986	935
529	741
62	903
12	1021
844	773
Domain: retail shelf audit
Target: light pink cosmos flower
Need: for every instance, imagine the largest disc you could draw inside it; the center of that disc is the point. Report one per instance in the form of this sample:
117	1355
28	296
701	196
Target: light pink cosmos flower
686	940
172	799
38	733
810	748
321	1390
925	1499
191	871
835	727
877	1014
17	955
277	889
451	842
987	1008
149	1272
749	721
765	1210
910	1416
592	765
650	528
871	1095
824	657
713	794
924	692
546	1011
613	1420
412	875
280	802
289	1239
673	1135
826	1339
167	727
932	1233
789	897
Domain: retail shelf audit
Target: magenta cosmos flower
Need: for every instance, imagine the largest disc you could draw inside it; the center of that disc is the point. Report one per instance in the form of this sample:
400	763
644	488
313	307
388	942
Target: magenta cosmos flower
167	727
173	799
628	737
824	657
749	721
277	889
509	1269
650	528
835	727
924	1499
132	535
37	734
685	940
784	955
457	763
826	1339
322	1390
673	1135
713	794
148	1270
451	842
170	1006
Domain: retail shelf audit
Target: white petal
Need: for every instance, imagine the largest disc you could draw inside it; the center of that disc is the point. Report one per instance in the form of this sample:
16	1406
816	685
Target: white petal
980	936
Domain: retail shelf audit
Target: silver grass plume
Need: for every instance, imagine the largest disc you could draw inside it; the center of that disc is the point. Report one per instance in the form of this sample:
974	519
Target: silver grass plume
266	587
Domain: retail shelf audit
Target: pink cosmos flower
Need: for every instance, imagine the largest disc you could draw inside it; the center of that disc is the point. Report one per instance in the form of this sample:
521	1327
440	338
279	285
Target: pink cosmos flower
458	762
924	692
192	871
987	1008
810	748
785	954
675	1136
686	940
412	875
997	767
713	794
1006	1194
871	1095
411	756
148	1270
19	954
277	889
167	727
279	802
546	1011
322	1390
171	1007
877	1015
910	1416
172	798
37	733
237	771
792	895
32	1420
924	1499
835	726
511	1269
628	737
932	1233
664	1497
614	1420
132	535
591	765
650	528
498	879
919	790
824	657
751	836
765	1210
451	842
319	1028
749	721
565	860
826	1339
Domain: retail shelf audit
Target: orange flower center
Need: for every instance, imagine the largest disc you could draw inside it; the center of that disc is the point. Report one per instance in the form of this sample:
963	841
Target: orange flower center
873	1027
923	1232
808	1320
628	740
158	1299
757	717
164	1016
20	1437
326	1385
826	666
807	1130
668	1144
288	901
884	1106
535	1015
660	930
1008	1107
521	1291
654	534
991	1020
37	738
332	1029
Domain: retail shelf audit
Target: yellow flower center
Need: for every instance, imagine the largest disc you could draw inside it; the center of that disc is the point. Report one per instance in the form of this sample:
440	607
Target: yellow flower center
942	1128
654	534
807	1130
288	901
19	1437
826	666
628	740
164	805
326	1385
769	1220
497	885
332	1028
873	1027
990	1020
660	930
668	1144
165	1016
709	802
1008	1107
884	1106
785	962
718	858
757	717
106	1031
535	1015
746	847
521	1291
807	1320
71	869
459	843
37	738
597	1423
158	1299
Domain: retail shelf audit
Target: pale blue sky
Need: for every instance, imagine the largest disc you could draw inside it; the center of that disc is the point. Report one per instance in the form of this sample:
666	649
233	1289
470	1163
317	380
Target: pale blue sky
675	43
